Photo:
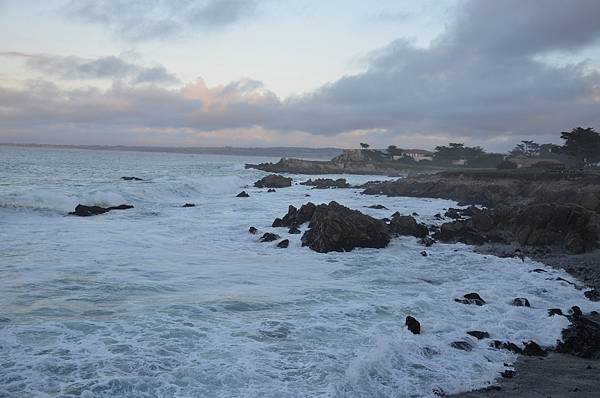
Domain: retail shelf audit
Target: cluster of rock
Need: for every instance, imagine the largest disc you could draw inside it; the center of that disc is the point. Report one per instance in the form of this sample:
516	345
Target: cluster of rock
323	183
273	181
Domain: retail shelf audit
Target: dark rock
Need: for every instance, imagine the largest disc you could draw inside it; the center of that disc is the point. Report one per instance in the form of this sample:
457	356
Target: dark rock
378	207
593	295
269	237
581	339
508	374
538	270
242	194
407	225
460	231
294	231
413	325
532	349
86	211
415	214
253	230
461	345
438	216
427	241
506	346
575	312
478	334
273	181
271	190
283	244
555	311
424	253
334	227
323	183
278	222
521	302
471	298
131	179
189	205
296	217
452	213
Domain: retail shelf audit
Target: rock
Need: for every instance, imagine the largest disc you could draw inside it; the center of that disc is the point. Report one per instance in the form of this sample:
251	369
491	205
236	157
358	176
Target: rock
407	225
413	325
294	231
86	211
296	217
271	190
334	227
506	346
242	194
189	205
424	253
555	311
479	335
273	181
581	339
253	230
532	349
427	241
590	201
521	302
131	179
593	295
471	298
269	237
461	345
323	183
283	244
459	231
575	312
438	216
377	207
415	214
453	213
508	374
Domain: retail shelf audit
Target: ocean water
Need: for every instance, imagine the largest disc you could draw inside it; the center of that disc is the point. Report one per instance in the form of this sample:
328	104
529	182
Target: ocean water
165	301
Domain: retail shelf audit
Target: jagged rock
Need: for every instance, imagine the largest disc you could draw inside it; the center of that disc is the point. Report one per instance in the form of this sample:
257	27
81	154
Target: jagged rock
532	349
582	338
296	217
459	231
334	227
86	211
438	216
189	205
283	244
427	241
461	345
479	335
269	237
575	312
471	298
294	231
253	230
273	181
453	213
508	374
131	179
521	302
506	346
377	207
407	225
555	311
271	190
413	325
242	194
593	295
323	183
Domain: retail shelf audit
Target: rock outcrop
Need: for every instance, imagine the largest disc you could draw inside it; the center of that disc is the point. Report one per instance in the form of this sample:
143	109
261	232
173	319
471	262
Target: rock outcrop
86	211
296	217
582	338
323	183
273	181
407	225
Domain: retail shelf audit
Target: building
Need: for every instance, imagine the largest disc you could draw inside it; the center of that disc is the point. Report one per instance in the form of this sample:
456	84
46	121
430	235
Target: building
416	154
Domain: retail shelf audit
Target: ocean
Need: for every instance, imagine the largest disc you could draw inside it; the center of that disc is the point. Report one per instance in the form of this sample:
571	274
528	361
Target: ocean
166	301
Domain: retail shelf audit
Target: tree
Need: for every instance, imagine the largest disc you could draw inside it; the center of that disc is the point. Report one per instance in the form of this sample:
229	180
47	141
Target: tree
529	149
583	144
364	145
393	150
455	152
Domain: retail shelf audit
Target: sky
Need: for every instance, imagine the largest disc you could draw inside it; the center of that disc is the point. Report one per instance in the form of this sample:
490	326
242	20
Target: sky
298	73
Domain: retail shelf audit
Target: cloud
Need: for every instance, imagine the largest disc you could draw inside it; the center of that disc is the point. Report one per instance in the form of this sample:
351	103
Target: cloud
139	20
109	67
481	82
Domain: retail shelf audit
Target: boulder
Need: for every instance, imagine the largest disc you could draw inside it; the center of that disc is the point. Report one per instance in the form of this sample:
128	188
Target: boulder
334	227
271	190
407	225
413	325
294	231
242	194
86	211
555	311
323	183
269	237
253	230
189	205
273	181
471	298
521	302
424	253
283	244
479	335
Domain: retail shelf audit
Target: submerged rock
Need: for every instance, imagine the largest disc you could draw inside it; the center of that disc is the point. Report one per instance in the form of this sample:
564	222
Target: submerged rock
86	211
253	230
471	298
334	227
555	311
413	325
189	205
479	335
323	183
461	345
377	207
242	194
427	241
131	179
269	237
273	181
283	244
521	302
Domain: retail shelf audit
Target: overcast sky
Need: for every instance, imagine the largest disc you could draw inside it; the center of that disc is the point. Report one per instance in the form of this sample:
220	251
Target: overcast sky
298	72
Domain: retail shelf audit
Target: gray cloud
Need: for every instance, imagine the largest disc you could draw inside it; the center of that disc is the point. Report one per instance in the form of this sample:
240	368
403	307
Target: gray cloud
110	67
481	81
138	20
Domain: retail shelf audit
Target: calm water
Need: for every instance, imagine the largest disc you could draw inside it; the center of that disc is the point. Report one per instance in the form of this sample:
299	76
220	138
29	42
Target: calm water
165	301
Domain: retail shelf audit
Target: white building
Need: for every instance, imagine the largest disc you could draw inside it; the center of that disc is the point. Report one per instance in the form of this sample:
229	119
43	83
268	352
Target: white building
416	154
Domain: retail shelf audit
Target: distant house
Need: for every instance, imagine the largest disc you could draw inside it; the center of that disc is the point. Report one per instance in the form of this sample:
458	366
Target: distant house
459	162
416	154
524	161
